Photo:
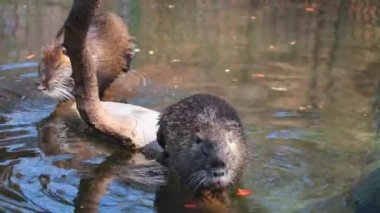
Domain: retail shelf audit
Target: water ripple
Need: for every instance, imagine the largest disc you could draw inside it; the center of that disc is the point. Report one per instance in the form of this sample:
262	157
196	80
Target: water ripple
13	66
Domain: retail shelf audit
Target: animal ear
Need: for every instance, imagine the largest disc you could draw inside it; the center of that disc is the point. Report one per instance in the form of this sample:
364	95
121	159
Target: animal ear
63	49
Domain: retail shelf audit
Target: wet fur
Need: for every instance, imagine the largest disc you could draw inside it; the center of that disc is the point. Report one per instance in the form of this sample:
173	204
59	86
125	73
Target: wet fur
108	41
216	123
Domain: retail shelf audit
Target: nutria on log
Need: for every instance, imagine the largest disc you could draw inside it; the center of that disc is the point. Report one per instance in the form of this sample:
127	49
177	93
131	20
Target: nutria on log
108	42
203	141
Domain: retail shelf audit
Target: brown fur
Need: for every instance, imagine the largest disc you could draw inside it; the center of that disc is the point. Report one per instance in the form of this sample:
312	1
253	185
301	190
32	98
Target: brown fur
52	53
110	49
109	44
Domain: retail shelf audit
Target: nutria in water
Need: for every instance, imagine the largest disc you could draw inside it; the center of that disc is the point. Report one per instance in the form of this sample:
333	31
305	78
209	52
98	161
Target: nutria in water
110	46
204	142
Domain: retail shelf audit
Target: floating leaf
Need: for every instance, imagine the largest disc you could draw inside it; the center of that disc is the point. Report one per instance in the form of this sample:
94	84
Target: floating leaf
302	108
310	9
191	205
243	192
258	75
283	89
30	56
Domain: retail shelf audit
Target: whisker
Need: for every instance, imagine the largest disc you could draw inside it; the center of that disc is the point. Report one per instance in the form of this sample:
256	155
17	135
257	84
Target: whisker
197	179
64	93
200	183
194	177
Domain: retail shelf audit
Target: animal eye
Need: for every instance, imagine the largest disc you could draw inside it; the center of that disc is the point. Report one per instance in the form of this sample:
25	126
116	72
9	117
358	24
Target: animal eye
57	66
198	140
64	51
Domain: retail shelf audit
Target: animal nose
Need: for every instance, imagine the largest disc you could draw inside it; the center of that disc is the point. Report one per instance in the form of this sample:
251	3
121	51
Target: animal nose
40	86
218	173
218	168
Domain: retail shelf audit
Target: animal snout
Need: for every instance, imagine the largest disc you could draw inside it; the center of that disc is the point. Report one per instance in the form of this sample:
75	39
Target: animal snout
218	168
218	172
40	86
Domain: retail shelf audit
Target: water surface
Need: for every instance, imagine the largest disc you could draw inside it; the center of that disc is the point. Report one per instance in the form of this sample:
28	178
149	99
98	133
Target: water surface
303	75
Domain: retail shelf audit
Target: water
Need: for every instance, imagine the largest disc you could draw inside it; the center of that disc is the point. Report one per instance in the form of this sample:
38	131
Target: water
302	74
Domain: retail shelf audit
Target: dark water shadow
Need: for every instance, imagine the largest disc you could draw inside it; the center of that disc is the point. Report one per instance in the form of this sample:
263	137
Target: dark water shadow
365	195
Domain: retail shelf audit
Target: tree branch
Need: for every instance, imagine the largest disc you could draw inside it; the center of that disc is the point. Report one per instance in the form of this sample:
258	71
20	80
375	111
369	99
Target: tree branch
91	110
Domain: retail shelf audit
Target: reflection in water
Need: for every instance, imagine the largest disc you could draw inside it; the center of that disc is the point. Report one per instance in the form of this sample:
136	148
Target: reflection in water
7	67
124	171
302	74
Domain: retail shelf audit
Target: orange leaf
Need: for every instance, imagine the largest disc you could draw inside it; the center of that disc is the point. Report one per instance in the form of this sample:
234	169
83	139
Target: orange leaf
30	56
191	206
310	9
258	75
243	192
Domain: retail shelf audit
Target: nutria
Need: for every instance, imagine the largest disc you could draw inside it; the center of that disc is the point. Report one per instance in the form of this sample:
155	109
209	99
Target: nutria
108	42
203	141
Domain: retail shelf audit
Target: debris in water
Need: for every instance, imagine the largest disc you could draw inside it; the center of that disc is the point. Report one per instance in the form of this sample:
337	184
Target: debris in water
310	9
137	50
243	192
302	108
151	52
170	6
283	89
30	56
293	43
271	46
258	75
227	70
176	60
191	205
253	17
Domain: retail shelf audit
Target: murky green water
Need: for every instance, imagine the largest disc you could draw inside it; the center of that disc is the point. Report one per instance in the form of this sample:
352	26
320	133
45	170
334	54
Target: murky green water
302	76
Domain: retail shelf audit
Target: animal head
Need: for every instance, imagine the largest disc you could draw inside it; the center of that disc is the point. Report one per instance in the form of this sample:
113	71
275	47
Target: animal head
54	73
214	154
